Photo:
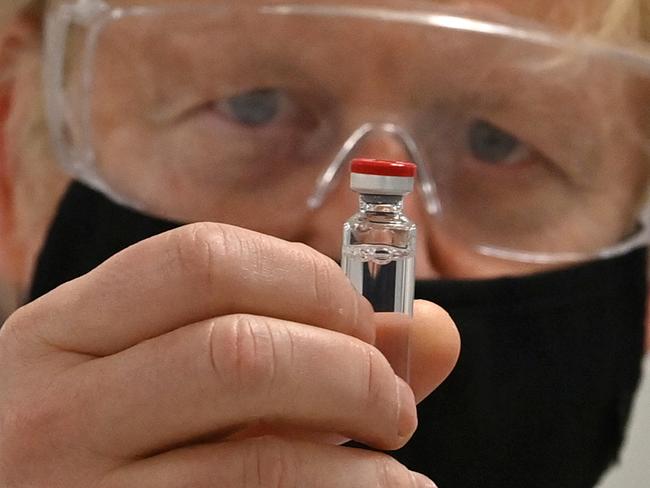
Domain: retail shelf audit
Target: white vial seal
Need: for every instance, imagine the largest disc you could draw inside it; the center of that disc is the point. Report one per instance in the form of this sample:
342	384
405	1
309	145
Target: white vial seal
382	177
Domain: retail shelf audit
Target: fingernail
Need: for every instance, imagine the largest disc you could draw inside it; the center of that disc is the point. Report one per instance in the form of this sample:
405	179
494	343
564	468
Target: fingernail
422	481
408	419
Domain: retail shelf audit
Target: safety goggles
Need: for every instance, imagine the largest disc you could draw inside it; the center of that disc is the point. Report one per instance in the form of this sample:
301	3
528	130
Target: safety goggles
531	144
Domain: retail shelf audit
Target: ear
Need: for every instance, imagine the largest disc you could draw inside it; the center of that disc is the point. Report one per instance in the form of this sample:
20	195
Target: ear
19	38
5	173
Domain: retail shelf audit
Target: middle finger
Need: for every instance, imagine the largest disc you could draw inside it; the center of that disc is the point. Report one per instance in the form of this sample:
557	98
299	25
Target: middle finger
234	371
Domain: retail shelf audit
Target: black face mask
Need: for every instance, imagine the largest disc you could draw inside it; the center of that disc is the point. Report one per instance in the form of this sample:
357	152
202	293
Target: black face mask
548	369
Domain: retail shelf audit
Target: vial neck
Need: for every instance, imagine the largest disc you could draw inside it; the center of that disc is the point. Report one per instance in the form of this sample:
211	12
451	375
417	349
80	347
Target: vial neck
385	204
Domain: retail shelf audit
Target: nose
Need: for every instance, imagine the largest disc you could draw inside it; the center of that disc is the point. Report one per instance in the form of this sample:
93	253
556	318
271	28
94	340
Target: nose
341	202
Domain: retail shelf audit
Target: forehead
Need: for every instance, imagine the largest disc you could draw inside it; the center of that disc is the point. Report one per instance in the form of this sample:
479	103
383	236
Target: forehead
559	13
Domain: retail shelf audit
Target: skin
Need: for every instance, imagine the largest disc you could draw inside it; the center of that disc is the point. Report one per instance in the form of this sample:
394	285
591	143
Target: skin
168	366
222	366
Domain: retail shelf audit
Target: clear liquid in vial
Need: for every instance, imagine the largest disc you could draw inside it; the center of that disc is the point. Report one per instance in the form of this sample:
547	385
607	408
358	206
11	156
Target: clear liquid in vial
384	274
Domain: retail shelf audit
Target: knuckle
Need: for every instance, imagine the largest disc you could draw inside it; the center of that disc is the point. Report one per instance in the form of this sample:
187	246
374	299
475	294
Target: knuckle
374	368
13	323
194	249
17	329
323	272
270	463
30	429
391	474
244	353
337	303
23	338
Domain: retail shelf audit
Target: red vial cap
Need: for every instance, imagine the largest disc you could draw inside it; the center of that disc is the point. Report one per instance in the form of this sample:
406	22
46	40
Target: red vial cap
383	167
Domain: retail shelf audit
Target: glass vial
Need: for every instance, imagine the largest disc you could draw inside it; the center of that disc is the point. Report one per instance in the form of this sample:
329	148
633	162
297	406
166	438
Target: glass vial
379	241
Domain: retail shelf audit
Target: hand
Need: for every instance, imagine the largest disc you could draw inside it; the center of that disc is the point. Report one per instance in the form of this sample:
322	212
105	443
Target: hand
146	372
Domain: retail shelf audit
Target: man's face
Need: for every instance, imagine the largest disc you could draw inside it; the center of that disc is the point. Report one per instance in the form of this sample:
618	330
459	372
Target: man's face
233	115
234	119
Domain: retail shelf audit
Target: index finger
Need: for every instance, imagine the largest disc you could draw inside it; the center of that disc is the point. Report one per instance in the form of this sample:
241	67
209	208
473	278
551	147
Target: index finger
191	274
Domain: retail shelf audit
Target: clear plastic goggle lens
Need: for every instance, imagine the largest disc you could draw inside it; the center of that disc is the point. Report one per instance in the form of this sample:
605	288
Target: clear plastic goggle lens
529	147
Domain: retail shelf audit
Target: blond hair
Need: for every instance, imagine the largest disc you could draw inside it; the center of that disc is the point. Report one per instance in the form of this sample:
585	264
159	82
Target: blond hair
621	16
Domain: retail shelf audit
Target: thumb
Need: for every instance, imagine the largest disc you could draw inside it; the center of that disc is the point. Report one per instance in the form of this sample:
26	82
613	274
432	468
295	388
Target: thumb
433	345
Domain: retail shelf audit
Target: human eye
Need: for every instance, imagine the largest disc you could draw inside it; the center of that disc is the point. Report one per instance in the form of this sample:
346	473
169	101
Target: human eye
491	145
272	122
258	108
